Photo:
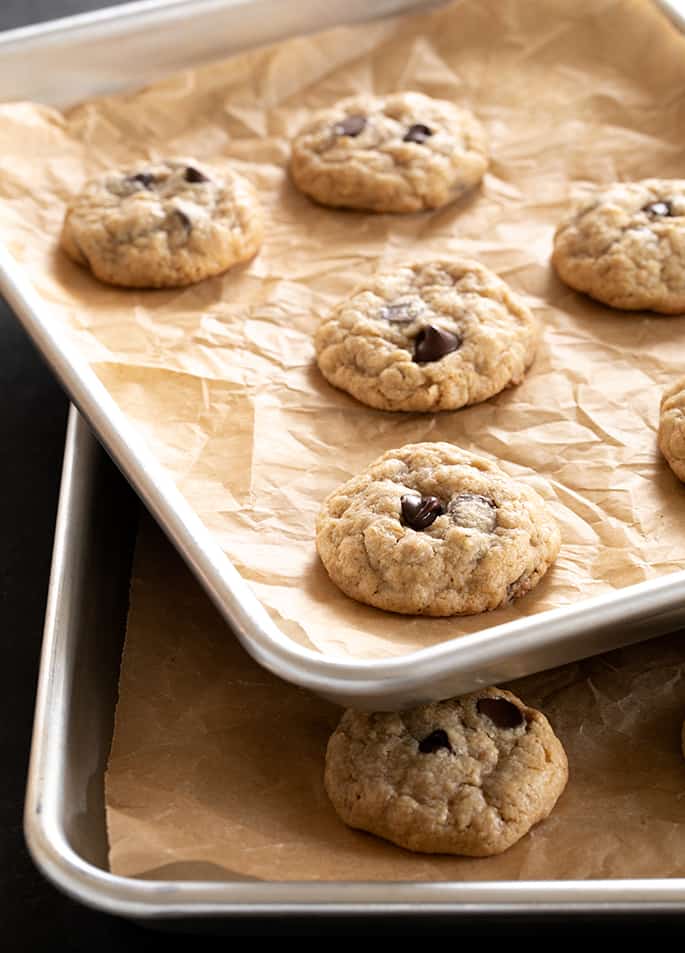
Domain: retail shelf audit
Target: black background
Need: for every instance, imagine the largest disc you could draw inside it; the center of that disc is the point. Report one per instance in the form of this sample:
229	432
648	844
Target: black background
33	412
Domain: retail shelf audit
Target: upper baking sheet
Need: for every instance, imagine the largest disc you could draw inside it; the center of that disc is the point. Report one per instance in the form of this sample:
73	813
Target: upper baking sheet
219	378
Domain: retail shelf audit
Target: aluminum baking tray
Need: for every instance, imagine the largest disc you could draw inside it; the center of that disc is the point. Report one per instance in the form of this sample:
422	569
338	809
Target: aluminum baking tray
78	57
65	817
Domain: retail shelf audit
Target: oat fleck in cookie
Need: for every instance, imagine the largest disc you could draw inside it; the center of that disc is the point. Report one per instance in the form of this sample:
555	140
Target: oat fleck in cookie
468	775
163	224
672	427
436	335
430	529
625	246
399	153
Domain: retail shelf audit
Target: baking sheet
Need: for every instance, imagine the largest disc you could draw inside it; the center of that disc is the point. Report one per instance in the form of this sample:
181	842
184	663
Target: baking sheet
216	770
219	378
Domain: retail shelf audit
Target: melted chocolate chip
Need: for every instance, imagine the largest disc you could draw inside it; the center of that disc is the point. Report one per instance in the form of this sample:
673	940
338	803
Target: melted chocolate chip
146	179
417	133
501	712
659	208
420	512
183	219
192	174
432	343
398	313
434	742
473	511
350	126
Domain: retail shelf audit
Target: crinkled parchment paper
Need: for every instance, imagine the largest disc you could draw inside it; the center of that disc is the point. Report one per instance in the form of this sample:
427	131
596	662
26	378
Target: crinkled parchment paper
219	378
216	769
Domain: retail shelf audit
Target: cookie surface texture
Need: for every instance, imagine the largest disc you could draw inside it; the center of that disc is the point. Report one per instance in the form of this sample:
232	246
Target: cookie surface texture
436	335
430	529
672	427
163	224
405	152
469	775
625	246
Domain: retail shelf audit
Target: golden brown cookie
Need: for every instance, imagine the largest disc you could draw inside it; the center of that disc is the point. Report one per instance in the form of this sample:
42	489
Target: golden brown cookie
163	224
625	245
468	775
399	153
436	335
430	529
672	427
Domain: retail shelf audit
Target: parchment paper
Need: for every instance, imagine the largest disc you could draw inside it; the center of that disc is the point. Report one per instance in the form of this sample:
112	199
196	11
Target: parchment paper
216	767
219	378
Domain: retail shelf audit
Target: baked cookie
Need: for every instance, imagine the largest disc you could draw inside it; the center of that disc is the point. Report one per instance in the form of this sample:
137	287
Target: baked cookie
431	529
672	427
399	153
625	246
431	336
163	224
468	775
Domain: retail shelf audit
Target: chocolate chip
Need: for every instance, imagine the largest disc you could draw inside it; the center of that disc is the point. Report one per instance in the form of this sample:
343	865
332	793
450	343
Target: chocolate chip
432	343
146	179
473	511
417	133
420	512
500	711
183	218
350	126
403	313
434	742
659	208
192	174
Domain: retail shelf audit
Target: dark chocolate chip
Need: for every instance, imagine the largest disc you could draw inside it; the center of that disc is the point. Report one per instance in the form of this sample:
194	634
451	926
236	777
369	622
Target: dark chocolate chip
432	343
398	313
417	133
420	512
350	126
146	179
434	742
501	712
183	218
192	174
659	208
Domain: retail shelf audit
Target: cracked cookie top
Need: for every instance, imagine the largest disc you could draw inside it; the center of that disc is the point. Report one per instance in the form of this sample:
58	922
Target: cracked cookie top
399	153
436	335
163	224
468	775
625	246
672	427
430	529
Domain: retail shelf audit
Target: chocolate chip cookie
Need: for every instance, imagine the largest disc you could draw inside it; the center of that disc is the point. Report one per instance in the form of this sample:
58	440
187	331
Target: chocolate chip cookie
672	427
430	336
625	246
431	529
468	775
399	153
163	224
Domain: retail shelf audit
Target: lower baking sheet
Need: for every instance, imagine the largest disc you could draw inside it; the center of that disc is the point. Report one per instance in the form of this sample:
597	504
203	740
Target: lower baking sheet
216	765
219	379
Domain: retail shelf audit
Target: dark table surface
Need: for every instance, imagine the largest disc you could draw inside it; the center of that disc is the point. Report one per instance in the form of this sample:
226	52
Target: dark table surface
33	914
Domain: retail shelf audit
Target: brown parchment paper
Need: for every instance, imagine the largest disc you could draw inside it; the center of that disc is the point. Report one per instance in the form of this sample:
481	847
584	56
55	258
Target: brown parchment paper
219	378
216	766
